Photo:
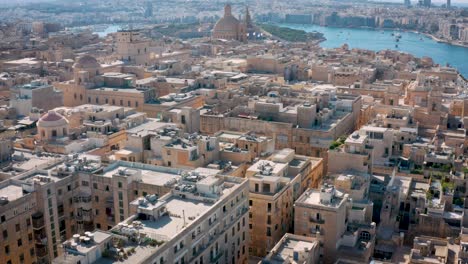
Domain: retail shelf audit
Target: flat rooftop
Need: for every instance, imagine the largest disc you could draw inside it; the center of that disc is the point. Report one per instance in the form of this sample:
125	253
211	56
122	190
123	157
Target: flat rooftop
312	197
12	192
157	178
118	90
148	128
168	226
25	161
284	252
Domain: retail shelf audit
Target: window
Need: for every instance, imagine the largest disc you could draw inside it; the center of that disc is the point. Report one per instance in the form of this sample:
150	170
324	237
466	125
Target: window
30	237
20	242
5	234
84	183
18	228
250	202
31	252
7	250
364	235
96	198
95	185
120	184
268	233
2	219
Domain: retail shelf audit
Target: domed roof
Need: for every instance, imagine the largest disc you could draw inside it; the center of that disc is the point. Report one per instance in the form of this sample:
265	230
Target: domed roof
51	119
228	23
86	62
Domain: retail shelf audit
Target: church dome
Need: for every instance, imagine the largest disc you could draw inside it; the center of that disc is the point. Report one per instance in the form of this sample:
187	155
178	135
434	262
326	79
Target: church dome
227	26
52	119
86	62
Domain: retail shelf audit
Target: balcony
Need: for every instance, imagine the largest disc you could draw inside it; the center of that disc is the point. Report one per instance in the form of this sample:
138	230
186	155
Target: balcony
38	221
82	199
40	237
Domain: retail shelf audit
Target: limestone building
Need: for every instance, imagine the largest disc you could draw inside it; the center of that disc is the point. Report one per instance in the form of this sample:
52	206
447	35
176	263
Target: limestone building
274	186
229	27
203	219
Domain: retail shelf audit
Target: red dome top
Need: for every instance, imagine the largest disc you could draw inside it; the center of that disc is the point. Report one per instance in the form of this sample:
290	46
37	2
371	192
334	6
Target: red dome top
51	116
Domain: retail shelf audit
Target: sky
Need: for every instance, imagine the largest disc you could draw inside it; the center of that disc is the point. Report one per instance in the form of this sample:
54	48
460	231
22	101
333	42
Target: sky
461	3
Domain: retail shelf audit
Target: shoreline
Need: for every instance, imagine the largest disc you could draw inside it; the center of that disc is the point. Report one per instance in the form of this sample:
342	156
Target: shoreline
429	36
438	40
445	41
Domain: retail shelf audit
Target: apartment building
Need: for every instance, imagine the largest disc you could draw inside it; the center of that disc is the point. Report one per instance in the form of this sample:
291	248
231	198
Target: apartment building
275	184
77	195
36	94
429	250
203	219
294	249
307	127
94	84
344	230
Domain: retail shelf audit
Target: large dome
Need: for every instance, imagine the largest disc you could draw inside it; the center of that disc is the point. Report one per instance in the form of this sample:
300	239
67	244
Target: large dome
86	62
227	24
52	119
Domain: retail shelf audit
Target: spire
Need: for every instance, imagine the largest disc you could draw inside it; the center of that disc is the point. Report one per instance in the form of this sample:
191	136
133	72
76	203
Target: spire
247	15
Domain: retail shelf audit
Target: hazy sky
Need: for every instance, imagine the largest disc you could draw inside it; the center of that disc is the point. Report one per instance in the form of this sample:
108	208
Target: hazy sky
454	2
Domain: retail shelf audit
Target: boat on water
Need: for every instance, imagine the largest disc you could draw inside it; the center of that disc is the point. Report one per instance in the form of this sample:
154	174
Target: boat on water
396	45
397	39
